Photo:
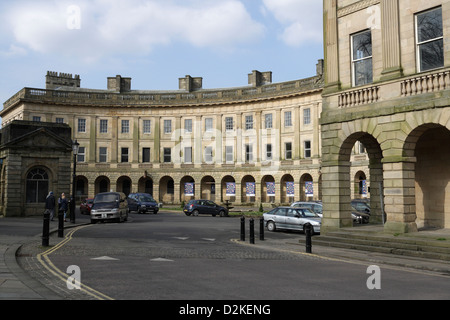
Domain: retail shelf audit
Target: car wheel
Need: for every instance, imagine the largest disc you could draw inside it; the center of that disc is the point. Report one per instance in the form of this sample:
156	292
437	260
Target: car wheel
222	213
195	213
271	226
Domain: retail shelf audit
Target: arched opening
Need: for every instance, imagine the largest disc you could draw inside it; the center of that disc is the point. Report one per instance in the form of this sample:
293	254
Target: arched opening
287	189
102	184
228	186
248	189
37	185
306	187
208	188
268	189
187	186
124	185
81	188
360	185
430	144
166	190
145	185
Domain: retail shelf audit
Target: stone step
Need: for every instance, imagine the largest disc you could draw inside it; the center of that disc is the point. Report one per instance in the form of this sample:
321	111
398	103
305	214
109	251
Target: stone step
372	242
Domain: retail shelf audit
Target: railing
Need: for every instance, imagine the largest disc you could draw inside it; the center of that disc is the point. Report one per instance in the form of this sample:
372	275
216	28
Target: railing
425	83
359	97
148	98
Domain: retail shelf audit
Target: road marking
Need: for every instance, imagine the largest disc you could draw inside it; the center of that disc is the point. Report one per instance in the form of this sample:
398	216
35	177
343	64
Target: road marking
161	260
46	263
181	238
208	239
105	258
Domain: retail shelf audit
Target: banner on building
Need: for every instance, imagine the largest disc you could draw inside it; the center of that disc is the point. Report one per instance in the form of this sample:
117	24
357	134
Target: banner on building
309	189
270	189
290	189
231	189
250	189
189	189
364	188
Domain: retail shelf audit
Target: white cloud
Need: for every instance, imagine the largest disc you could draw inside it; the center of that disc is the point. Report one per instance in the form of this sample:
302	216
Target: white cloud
301	19
112	27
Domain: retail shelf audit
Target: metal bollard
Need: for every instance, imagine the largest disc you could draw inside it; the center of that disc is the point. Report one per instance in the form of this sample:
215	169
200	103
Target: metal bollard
60	224
252	231
261	229
308	232
46	229
242	229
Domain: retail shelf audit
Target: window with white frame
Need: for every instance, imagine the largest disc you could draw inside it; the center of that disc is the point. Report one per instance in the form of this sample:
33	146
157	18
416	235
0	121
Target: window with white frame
125	126
429	39
208	154
187	154
167	155
188	125
103	154
269	151
288	119
147	126
145	155
124	156
248	153
208	124
103	126
167	126
307	116
268	121
59	120
229	155
36	119
81	156
229	124
248	122
288	150
362	70
81	125
307	149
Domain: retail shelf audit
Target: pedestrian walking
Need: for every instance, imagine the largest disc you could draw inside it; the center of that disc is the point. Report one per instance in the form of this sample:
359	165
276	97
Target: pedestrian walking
50	204
63	205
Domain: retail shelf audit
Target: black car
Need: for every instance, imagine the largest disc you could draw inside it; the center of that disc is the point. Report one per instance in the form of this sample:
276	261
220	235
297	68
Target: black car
142	203
362	206
196	207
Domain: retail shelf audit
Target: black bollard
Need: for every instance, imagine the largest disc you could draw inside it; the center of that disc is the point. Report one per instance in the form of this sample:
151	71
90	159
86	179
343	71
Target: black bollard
60	224
242	229
261	229
252	231
308	231
46	229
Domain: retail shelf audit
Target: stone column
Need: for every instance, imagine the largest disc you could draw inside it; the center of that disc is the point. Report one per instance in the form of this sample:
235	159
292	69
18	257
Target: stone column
399	195
390	30
332	81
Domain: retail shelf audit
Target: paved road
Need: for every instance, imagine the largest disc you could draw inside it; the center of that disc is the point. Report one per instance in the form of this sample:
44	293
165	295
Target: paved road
173	257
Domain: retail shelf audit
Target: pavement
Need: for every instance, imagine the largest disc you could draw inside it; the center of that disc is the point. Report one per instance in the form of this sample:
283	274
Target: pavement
17	284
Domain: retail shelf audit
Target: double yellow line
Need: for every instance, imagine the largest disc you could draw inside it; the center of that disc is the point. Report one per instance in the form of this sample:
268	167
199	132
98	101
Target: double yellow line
47	264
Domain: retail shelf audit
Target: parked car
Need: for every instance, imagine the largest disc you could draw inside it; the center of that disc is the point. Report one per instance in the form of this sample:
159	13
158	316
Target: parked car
360	217
361	206
110	206
196	207
86	205
291	218
142	203
313	206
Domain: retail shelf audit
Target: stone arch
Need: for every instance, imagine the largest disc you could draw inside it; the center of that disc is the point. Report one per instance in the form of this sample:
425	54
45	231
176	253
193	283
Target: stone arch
208	188
166	189
145	185
183	196
336	181
81	187
125	185
102	184
428	145
244	196
225	180
265	197
284	197
304	193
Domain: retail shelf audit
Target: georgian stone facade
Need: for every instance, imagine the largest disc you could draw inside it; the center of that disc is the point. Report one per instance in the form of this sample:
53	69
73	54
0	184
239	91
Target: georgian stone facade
387	85
157	142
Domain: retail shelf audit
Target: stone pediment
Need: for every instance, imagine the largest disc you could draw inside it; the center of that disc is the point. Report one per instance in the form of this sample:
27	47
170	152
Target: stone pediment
40	138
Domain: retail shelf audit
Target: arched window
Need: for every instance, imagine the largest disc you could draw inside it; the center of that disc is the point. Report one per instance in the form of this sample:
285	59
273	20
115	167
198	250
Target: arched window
37	186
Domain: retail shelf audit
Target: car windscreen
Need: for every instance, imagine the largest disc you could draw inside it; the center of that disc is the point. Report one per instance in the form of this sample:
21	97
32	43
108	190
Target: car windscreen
308	213
146	198
101	198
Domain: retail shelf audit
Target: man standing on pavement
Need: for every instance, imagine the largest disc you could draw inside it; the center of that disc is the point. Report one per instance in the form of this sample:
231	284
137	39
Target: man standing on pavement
50	204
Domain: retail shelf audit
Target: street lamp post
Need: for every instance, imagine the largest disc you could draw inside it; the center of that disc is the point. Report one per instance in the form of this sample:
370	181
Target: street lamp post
75	147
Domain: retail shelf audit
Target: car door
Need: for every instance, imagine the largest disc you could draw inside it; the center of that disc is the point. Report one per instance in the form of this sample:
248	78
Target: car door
294	219
280	218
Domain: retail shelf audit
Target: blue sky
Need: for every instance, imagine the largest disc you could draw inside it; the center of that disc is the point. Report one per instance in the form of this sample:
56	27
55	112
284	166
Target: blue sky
155	42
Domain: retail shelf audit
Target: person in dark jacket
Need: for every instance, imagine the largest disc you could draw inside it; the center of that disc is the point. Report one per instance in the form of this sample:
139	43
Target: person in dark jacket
50	204
63	205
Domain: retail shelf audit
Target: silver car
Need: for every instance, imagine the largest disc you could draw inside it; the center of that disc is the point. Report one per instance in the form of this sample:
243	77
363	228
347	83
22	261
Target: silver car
291	218
109	206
